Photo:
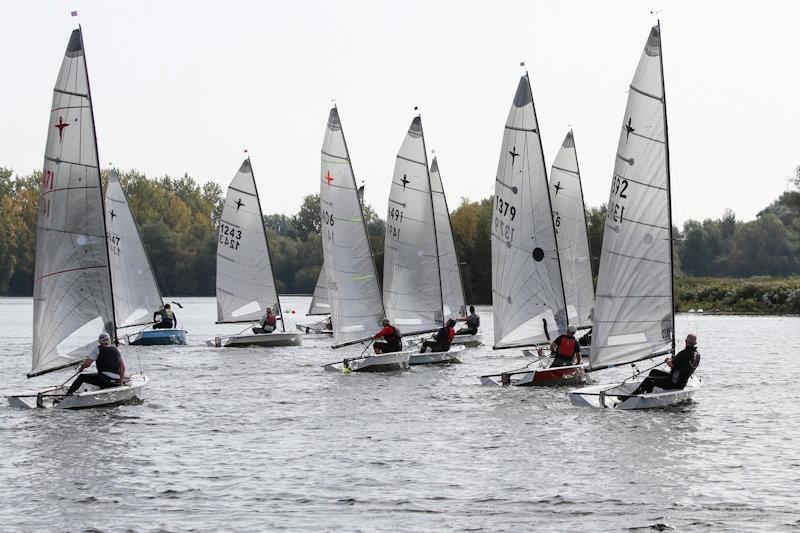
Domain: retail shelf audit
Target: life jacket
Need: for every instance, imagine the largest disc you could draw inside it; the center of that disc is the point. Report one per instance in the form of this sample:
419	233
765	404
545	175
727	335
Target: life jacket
167	316
270	320
566	347
393	336
108	361
450	334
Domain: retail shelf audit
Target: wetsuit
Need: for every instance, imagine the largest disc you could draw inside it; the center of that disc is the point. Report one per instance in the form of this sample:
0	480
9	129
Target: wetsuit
107	360
168	319
393	340
473	323
684	363
441	341
566	349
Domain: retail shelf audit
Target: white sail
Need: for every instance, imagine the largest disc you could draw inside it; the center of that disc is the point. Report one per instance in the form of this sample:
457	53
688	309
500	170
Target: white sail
633	309
452	287
353	291
412	292
319	302
569	216
136	294
527	293
245	284
72	301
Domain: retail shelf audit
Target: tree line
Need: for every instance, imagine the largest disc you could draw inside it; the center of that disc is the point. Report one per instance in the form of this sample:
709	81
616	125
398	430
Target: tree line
178	218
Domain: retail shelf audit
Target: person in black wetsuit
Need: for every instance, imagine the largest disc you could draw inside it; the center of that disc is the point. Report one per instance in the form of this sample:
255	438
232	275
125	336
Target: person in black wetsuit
565	349
441	341
168	318
682	366
473	323
110	367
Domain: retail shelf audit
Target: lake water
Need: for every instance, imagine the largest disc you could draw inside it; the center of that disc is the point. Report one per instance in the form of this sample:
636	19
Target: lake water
258	439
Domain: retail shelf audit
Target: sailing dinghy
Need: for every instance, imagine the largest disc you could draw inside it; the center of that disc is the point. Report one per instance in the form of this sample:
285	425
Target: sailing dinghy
634	310
245	281
413	288
72	298
527	288
353	291
136	293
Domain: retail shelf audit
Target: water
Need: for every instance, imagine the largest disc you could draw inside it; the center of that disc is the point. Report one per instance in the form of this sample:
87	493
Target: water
256	439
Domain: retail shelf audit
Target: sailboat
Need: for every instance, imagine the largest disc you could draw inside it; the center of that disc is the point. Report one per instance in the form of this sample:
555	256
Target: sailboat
527	289
73	302
634	310
453	300
245	281
412	275
136	293
319	307
353	291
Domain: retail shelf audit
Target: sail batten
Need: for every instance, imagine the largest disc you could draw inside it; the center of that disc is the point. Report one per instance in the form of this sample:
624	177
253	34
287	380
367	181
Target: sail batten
569	217
73	302
634	314
245	282
354	295
528	295
412	291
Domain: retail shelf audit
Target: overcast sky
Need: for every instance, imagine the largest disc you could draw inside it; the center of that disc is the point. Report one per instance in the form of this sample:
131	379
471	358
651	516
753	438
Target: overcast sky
187	86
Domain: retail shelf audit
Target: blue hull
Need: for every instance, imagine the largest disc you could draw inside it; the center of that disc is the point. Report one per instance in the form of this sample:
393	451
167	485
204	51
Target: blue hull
155	337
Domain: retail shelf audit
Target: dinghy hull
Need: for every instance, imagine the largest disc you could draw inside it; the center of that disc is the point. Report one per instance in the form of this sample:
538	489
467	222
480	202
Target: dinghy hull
606	396
470	341
266	340
158	337
89	397
389	362
541	377
313	329
437	358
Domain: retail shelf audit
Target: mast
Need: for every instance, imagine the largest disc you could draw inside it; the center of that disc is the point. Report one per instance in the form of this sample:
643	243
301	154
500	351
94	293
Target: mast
361	212
433	217
266	241
102	195
669	185
550	204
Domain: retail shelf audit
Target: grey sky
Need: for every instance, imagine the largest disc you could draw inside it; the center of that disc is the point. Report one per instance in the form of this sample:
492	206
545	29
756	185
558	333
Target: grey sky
186	86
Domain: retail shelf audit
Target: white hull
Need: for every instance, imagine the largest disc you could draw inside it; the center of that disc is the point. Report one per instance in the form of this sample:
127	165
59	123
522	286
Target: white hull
314	328
374	363
90	396
267	340
433	358
606	396
470	341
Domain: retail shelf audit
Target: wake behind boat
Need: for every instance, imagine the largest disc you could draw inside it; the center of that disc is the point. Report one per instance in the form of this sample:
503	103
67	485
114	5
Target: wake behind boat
73	301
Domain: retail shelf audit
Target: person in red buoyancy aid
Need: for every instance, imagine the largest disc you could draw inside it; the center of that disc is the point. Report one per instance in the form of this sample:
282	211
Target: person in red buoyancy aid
566	348
392	339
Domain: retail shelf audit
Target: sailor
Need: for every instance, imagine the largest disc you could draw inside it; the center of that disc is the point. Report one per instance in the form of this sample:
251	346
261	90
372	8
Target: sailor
473	323
682	366
565	348
392	338
110	366
267	323
168	319
441	341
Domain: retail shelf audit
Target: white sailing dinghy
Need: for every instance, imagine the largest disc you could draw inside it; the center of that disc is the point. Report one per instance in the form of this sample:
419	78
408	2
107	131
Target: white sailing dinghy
527	288
245	281
412	275
319	307
634	311
72	298
453	300
353	291
136	292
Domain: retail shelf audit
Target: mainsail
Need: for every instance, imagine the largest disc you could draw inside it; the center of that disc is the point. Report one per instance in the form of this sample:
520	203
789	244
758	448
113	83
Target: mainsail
569	216
136	294
452	287
528	296
353	291
319	302
245	282
412	291
634	306
72	299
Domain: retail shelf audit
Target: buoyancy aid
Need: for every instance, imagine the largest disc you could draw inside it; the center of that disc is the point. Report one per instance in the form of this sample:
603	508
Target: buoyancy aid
566	347
108	361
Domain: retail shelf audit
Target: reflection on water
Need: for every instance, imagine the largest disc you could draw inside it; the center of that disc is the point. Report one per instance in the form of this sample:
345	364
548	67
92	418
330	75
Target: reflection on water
253	438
